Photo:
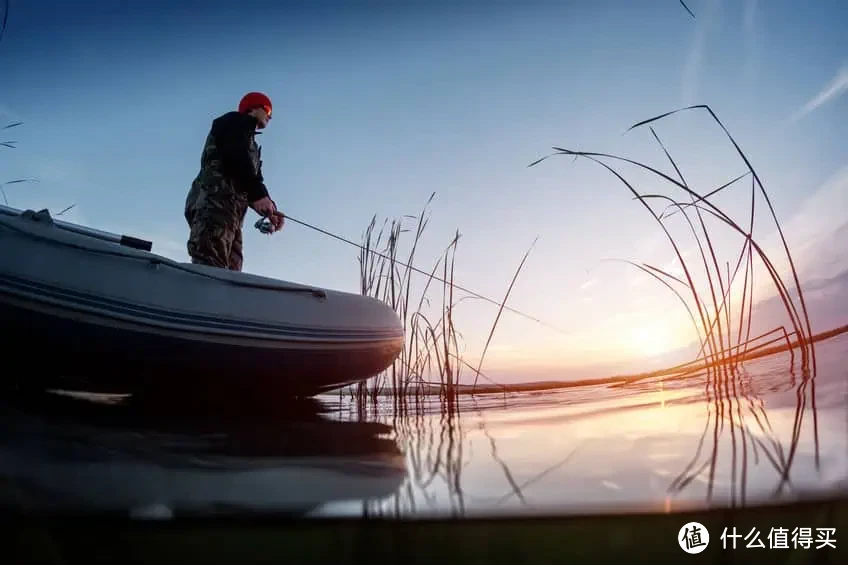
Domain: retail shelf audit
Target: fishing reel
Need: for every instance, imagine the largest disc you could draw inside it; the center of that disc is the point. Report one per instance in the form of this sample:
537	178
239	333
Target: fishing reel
264	225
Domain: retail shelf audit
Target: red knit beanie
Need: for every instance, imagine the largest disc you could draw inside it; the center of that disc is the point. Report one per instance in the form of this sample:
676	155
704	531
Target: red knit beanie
253	100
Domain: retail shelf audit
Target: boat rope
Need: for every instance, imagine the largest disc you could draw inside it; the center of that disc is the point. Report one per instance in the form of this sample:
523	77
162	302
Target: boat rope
264	225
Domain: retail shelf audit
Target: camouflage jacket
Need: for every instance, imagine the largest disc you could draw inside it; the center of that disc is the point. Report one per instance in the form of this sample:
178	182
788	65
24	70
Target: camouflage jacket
232	154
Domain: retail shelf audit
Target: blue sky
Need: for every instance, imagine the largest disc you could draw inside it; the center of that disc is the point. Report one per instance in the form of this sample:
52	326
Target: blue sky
378	106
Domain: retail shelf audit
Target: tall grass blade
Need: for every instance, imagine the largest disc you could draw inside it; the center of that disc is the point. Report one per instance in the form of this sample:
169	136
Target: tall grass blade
706	235
16	181
66	209
687	9
711	193
497	318
5	21
805	342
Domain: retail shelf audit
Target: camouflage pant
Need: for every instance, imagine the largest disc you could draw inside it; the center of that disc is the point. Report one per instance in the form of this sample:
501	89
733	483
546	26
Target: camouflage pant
215	214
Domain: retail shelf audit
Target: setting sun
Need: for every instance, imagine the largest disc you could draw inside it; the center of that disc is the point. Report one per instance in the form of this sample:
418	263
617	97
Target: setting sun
649	339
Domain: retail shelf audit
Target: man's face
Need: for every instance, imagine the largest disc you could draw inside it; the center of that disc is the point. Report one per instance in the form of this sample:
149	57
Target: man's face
262	115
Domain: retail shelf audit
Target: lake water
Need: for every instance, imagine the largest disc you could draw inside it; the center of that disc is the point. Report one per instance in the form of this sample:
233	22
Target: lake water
766	433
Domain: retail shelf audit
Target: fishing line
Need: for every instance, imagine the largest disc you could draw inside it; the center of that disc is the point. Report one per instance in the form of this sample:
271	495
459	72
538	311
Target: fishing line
264	225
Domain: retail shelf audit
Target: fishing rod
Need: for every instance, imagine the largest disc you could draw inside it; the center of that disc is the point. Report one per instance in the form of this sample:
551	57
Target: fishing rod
264	225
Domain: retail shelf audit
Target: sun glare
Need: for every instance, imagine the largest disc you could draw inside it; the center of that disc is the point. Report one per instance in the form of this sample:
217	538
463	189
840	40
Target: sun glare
649	339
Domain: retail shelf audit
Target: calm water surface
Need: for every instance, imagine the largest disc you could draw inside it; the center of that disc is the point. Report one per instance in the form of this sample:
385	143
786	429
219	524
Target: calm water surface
766	433
763	435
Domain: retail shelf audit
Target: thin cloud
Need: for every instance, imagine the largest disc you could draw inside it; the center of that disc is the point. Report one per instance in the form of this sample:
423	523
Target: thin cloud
673	266
813	233
831	91
752	39
588	284
692	66
697	52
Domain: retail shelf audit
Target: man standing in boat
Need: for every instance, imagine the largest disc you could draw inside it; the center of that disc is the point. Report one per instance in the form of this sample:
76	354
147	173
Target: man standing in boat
230	180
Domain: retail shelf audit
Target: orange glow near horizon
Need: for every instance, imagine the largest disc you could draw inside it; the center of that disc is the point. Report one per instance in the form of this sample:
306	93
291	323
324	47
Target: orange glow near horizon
629	342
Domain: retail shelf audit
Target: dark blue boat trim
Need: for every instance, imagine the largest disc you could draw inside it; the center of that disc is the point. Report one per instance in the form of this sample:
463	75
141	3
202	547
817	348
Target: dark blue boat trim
97	357
76	300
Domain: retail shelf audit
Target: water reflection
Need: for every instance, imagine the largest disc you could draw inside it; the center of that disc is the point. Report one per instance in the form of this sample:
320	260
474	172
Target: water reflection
734	402
60	455
736	436
763	431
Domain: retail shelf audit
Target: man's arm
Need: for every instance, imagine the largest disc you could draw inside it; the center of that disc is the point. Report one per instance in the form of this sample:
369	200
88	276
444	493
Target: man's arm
232	136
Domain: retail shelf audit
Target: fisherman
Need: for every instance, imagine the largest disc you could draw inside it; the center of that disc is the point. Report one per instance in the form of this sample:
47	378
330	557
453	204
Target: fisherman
230	180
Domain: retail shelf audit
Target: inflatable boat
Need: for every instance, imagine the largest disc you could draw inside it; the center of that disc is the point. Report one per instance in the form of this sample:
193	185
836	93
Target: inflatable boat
87	309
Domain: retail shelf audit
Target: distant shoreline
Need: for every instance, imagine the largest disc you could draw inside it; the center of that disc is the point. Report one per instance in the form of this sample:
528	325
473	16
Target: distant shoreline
433	389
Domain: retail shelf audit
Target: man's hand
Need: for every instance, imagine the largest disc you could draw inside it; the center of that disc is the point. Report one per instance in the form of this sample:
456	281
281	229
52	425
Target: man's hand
267	208
277	219
264	207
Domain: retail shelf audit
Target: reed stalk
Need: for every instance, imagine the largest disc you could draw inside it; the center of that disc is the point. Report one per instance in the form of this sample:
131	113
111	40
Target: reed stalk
433	345
709	305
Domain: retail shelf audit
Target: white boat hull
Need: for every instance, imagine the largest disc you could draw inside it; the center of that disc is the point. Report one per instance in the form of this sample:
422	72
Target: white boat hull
117	319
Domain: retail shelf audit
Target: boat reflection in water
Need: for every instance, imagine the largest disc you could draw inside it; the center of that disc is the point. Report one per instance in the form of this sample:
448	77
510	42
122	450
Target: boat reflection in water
762	433
66	456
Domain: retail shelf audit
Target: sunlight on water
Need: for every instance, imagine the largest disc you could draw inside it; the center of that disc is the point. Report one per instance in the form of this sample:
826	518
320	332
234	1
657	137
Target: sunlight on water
763	433
750	439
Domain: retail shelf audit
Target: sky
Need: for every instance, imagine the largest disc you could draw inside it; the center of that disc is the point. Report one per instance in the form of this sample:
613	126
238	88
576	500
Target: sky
377	105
